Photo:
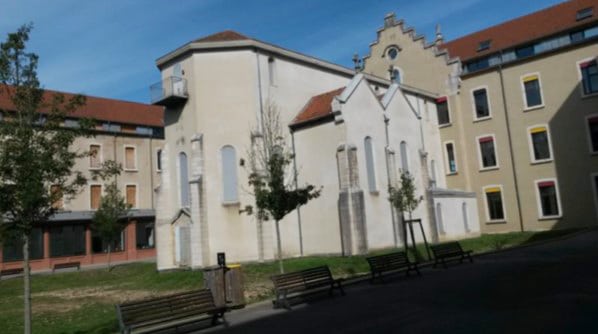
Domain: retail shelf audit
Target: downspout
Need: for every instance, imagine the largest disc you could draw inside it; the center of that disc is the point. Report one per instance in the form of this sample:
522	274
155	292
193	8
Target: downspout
388	178
259	88
509	139
297	186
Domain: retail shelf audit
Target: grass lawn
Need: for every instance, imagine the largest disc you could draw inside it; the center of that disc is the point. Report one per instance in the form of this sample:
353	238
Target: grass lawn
83	302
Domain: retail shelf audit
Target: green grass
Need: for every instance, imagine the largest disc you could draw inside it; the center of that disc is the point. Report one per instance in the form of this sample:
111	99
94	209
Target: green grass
83	302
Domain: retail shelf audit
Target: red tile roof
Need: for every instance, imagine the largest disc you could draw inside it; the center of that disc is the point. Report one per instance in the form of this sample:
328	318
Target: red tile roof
524	29
317	107
103	109
223	36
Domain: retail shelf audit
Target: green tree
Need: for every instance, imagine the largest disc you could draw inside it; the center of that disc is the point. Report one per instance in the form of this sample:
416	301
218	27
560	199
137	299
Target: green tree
111	218
35	153
403	199
271	176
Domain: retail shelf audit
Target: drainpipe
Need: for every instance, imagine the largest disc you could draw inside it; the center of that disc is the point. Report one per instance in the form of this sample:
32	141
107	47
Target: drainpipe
388	180
297	186
510	141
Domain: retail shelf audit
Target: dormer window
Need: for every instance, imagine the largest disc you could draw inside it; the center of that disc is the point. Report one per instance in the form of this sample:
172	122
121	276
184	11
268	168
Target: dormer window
584	13
484	45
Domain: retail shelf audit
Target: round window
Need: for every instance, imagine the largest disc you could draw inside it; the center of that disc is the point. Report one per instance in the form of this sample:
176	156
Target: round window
393	53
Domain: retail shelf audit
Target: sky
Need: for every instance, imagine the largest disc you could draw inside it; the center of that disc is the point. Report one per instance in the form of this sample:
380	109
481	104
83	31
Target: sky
108	48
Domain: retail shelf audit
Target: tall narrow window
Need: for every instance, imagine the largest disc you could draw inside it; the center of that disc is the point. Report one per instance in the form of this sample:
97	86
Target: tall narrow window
450	158
439	221
159	160
272	71
130	158
480	101
131	195
487	152
589	77
392	166
494	203
95	156
184	180
369	164
532	91
404	157
540	145
56	193
229	175
593	133
465	217
548	199
95	195
443	111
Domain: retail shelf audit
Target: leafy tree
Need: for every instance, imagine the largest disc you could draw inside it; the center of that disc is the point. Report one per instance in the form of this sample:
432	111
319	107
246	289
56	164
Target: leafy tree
35	153
110	219
271	176
403	199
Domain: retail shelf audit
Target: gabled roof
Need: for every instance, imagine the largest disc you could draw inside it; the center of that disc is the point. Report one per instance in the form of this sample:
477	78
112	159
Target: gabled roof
317	108
102	109
546	22
223	36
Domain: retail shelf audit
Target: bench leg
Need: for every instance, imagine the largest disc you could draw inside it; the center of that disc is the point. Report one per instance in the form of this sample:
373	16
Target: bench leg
444	263
417	269
285	301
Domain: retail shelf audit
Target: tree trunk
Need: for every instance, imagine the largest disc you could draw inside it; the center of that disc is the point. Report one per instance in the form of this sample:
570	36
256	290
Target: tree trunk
26	287
279	248
109	253
404	230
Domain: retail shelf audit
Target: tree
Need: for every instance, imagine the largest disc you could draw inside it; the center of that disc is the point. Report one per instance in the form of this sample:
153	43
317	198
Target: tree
271	177
403	199
111	217
35	153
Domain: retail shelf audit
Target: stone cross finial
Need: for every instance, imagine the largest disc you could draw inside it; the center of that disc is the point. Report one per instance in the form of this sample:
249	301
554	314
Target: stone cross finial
439	37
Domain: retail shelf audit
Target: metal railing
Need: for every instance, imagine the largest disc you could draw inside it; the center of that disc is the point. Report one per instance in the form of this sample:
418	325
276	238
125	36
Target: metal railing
169	87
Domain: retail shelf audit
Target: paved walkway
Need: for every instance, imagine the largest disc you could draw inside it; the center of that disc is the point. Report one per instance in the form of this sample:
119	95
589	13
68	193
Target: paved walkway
547	288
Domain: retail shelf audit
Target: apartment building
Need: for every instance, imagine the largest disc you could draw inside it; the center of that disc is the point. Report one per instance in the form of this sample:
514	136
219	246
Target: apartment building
129	133
517	111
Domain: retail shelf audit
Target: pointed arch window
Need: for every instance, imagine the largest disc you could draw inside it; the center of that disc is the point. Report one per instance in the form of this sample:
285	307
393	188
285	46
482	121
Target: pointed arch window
229	174
404	157
184	180
370	164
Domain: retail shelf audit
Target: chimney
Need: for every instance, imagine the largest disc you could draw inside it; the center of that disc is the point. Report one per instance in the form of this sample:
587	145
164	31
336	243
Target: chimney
439	37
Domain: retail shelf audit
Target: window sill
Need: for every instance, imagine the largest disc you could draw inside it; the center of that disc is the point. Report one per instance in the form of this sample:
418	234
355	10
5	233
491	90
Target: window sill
231	203
550	217
477	120
374	192
496	222
452	173
540	106
487	169
540	162
445	125
589	96
95	168
131	170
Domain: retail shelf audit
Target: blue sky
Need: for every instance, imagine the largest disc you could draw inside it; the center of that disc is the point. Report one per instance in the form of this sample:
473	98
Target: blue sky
108	47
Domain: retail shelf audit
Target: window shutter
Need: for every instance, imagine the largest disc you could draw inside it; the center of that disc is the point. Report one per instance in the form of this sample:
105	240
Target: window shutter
95	196
132	195
130	158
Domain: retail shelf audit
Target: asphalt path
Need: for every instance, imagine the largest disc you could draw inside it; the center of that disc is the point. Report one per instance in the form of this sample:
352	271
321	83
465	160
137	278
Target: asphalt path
546	288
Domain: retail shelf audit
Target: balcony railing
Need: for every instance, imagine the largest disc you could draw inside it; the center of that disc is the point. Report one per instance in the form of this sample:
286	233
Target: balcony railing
171	90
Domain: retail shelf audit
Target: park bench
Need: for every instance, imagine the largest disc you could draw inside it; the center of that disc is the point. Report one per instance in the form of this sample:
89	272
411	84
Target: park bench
66	265
303	282
172	312
393	262
449	251
11	272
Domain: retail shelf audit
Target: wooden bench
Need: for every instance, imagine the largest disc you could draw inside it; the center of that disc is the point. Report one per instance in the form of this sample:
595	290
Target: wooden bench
169	312
303	282
449	251
66	265
11	272
393	262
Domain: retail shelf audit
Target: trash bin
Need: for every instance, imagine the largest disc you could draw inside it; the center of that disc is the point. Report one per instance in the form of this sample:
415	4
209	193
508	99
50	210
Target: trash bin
226	284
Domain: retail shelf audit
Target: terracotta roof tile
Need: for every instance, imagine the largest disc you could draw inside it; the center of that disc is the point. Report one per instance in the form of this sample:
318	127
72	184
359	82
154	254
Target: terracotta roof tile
223	36
103	109
524	29
317	107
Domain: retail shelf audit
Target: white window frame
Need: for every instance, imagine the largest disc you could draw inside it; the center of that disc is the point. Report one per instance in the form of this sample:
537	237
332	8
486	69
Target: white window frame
448	108
558	198
502	199
473	107
136	193
580	76
479	148
589	134
102	190
100	153
134	147
446	158
526	106
531	144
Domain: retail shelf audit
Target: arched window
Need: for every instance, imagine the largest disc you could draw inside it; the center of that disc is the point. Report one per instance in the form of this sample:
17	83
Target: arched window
229	174
404	157
396	76
184	180
465	221
439	218
369	163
